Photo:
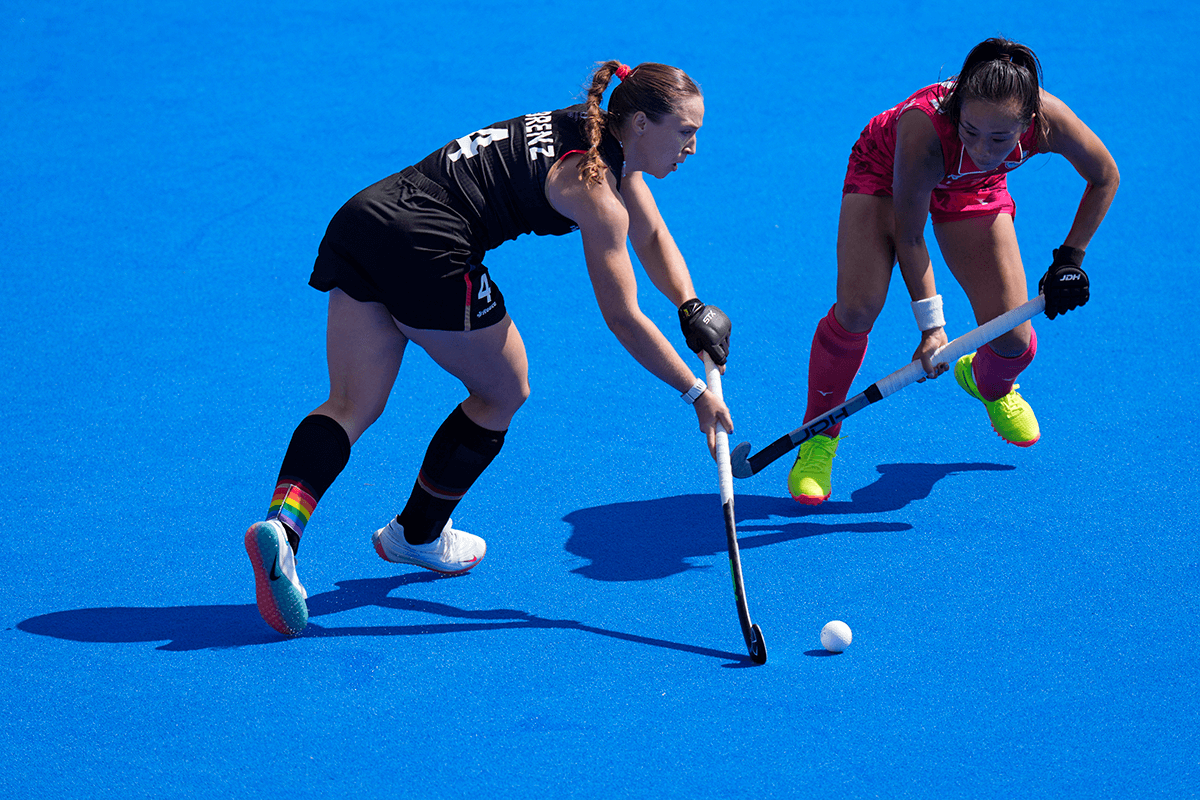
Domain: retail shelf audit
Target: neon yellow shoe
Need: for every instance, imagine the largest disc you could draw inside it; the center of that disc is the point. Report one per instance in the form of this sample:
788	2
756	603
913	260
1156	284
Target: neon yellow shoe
1011	416
809	480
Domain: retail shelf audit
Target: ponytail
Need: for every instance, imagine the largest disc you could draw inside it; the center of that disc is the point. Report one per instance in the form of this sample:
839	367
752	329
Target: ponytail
654	89
998	71
595	119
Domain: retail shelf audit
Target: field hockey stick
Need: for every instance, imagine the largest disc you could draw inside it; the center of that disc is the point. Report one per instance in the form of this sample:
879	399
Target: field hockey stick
750	632
745	465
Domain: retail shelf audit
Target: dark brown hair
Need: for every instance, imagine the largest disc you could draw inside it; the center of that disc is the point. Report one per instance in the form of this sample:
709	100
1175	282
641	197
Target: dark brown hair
998	71
654	89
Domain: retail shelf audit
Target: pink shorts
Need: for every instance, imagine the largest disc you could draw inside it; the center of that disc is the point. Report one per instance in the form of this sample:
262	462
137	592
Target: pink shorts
870	172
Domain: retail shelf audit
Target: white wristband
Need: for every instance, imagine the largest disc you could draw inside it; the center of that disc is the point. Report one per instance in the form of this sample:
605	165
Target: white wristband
929	313
691	394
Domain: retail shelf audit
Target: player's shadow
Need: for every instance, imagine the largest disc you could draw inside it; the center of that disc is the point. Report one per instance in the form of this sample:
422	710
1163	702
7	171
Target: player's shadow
624	541
224	626
651	539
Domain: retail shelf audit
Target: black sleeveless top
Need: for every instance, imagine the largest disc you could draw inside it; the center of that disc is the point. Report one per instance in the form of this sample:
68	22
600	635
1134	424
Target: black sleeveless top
496	176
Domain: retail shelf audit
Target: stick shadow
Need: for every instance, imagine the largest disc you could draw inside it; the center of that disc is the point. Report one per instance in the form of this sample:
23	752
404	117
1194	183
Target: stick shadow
654	539
624	542
187	628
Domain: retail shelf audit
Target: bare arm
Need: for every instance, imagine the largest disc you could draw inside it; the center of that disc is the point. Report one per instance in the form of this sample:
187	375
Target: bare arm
918	169
604	225
1071	138
653	244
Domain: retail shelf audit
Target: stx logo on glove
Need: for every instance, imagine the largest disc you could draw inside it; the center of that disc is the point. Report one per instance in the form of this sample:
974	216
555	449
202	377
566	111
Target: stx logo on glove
705	328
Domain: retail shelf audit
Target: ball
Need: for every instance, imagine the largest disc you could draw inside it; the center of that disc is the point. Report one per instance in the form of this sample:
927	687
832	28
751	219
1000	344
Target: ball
836	636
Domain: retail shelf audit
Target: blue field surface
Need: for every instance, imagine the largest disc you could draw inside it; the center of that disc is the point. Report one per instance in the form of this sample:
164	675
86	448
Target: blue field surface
1026	621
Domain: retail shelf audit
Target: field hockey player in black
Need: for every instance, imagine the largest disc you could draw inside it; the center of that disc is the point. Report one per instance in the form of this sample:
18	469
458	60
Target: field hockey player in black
403	261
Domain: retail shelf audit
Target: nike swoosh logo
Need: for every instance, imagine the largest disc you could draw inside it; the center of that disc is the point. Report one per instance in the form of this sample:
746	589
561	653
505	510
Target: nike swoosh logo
274	572
824	394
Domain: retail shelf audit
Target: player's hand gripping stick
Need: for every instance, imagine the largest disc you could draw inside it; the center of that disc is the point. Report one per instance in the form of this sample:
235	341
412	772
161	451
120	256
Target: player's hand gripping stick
705	328
744	465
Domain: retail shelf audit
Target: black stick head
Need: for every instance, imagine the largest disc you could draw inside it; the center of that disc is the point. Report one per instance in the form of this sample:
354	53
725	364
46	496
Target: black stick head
739	463
756	645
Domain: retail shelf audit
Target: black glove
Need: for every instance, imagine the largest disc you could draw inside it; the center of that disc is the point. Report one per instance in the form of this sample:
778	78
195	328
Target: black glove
705	328
1065	284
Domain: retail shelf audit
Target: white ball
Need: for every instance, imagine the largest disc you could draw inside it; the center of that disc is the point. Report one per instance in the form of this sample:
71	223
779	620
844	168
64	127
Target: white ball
836	636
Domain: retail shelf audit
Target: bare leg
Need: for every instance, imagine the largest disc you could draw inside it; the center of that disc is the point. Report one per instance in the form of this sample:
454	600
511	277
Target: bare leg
866	253
983	254
365	346
491	363
364	349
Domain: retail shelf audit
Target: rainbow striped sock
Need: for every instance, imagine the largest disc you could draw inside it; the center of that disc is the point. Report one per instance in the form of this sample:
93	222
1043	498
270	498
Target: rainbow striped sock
293	504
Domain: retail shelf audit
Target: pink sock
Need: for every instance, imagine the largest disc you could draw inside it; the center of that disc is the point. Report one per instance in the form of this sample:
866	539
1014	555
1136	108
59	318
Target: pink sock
995	374
833	362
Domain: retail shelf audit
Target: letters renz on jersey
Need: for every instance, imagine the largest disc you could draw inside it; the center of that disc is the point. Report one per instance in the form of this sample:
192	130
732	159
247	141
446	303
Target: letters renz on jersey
538	136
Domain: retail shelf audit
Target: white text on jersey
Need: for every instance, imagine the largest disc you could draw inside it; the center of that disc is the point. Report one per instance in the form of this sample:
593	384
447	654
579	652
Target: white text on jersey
469	145
538	132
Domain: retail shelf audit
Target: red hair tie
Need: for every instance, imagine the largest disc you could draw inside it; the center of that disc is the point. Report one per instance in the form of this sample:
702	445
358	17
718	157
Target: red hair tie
623	72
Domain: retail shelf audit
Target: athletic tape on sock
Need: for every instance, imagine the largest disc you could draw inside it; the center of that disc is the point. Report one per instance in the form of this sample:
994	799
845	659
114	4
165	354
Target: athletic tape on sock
318	452
293	504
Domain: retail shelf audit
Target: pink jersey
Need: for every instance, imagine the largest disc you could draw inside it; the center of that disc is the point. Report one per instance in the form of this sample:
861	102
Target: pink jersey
965	191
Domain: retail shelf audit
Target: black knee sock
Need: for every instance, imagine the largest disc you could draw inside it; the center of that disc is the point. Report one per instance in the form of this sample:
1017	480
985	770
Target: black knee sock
317	454
458	454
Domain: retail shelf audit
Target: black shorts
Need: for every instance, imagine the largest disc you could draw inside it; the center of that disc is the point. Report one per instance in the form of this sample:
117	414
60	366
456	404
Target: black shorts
400	244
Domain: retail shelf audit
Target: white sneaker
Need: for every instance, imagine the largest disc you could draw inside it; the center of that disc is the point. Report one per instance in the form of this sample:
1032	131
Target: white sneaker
276	587
452	553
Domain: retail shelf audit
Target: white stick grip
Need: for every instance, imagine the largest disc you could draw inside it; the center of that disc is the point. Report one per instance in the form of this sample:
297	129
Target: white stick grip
969	342
712	377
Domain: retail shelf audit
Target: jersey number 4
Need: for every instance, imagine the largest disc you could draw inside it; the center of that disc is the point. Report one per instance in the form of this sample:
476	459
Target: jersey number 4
485	288
469	145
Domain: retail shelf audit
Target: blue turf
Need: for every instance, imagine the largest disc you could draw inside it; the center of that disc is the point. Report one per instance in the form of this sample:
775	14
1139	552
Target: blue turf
1025	621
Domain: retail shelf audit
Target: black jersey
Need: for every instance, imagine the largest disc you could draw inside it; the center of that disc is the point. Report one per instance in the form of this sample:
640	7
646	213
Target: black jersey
496	176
